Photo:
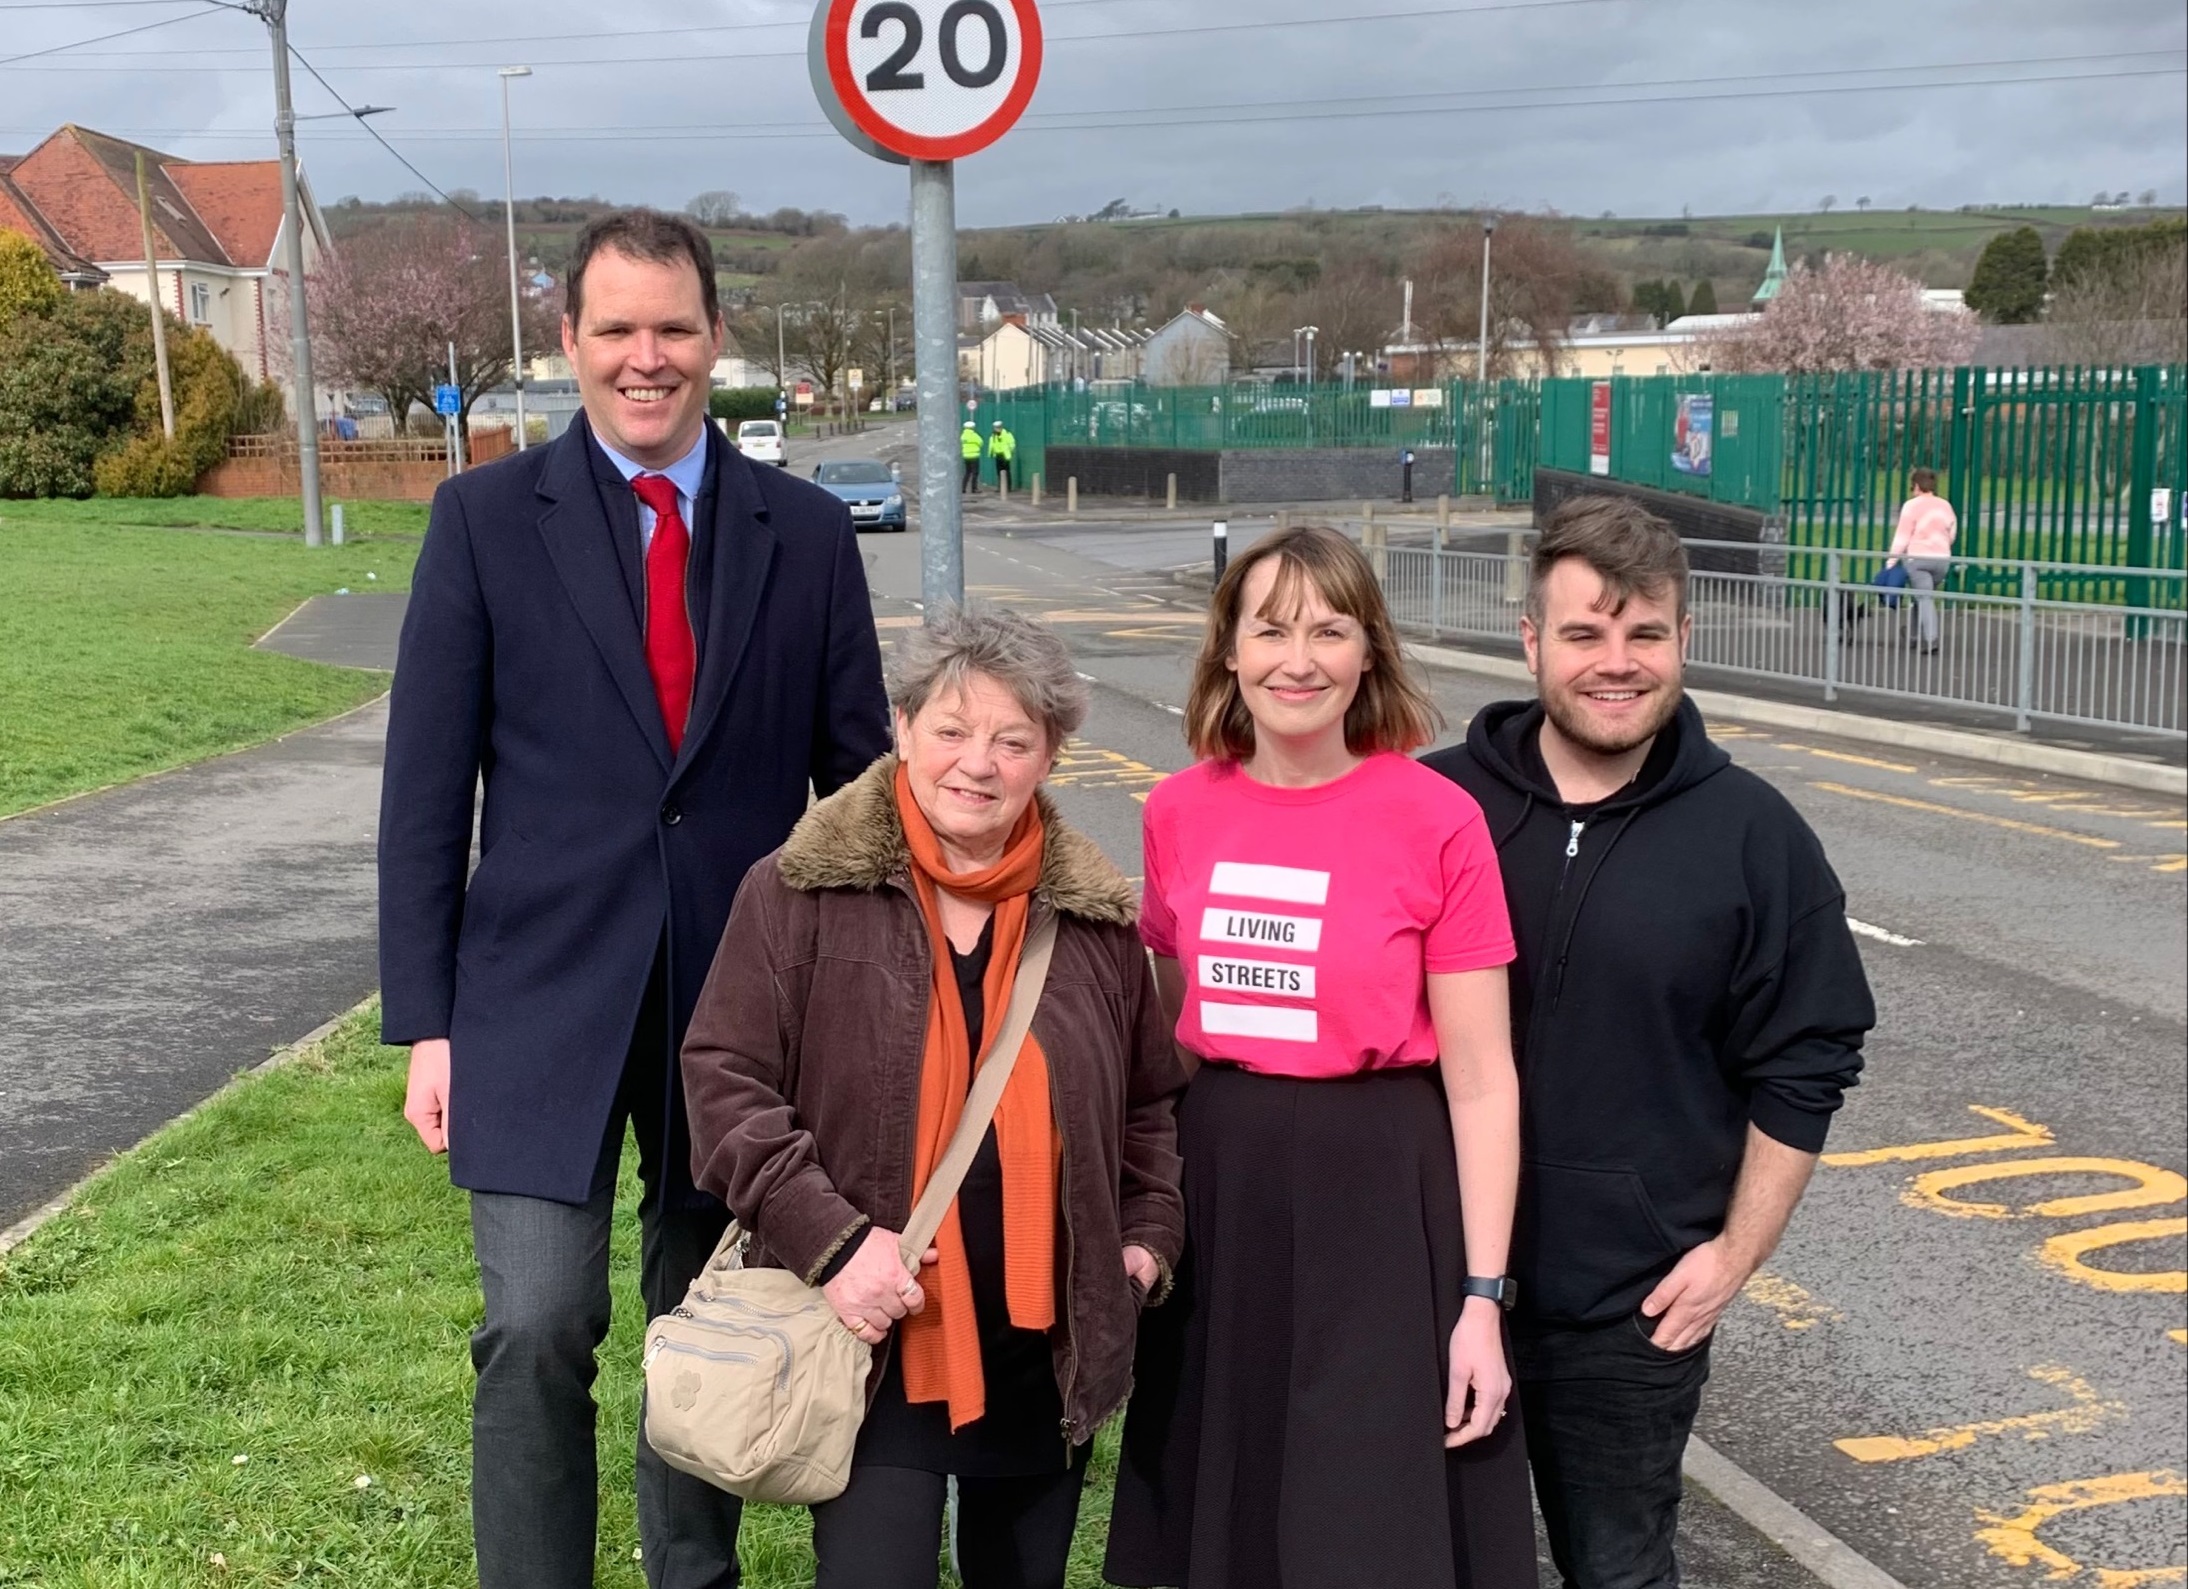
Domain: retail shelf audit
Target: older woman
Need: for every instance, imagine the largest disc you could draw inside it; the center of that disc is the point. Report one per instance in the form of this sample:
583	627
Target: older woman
827	1065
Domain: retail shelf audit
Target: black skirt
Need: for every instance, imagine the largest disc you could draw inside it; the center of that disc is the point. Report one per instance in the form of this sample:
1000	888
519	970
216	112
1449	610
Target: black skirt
1286	1426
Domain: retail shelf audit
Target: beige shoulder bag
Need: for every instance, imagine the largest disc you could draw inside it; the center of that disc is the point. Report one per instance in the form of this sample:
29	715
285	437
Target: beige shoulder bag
754	1384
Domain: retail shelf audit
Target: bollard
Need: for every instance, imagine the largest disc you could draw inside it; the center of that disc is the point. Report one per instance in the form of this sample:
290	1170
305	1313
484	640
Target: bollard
1374	539
1170	494
1367	517
334	530
1036	490
1443	511
1071	494
1515	566
1405	475
1283	518
1222	547
1002	486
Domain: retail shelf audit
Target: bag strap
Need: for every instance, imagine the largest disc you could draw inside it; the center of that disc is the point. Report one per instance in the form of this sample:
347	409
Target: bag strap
986	1095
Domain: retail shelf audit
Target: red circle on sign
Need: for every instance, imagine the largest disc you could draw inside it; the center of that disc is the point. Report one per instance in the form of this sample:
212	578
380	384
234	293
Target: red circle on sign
851	93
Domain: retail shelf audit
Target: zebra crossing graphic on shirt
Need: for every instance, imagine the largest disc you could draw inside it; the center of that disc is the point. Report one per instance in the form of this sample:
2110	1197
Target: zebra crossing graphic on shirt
1271	922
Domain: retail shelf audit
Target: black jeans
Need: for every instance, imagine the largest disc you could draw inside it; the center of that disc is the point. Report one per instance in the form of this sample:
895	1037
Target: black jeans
544	1269
1608	1413
885	1530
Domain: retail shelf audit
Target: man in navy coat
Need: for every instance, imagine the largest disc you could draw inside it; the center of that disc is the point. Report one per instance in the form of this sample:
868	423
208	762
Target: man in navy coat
652	653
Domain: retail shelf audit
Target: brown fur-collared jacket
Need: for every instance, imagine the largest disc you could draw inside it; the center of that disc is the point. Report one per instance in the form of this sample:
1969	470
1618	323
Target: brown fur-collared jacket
802	1068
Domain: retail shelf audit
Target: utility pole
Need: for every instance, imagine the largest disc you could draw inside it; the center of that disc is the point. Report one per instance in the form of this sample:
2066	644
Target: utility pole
275	14
159	320
509	178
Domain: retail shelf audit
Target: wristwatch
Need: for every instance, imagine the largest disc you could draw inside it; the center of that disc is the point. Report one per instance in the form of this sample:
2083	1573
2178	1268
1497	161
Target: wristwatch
1503	1290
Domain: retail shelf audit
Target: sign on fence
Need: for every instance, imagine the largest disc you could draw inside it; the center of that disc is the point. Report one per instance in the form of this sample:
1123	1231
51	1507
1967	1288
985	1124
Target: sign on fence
1599	428
1690	433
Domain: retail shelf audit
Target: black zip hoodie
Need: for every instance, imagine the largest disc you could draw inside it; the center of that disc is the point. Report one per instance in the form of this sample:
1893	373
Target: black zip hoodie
1684	969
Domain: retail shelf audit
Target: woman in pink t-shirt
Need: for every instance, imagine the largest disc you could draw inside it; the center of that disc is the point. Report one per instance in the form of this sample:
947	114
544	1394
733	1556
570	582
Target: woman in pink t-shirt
1322	1400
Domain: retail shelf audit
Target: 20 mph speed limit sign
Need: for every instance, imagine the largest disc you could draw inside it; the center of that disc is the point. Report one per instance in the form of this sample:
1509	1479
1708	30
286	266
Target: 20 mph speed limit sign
925	79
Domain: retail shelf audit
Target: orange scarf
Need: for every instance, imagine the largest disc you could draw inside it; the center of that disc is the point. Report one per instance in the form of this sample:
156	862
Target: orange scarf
941	1343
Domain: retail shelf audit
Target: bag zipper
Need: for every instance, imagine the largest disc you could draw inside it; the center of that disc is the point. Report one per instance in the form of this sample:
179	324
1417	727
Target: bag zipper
1063	1200
786	1351
662	1343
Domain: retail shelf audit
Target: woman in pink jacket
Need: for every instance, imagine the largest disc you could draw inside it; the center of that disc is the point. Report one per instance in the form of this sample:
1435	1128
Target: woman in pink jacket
1927	529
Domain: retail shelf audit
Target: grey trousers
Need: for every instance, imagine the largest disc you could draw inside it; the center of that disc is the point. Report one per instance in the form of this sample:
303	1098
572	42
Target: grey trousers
534	1473
1925	574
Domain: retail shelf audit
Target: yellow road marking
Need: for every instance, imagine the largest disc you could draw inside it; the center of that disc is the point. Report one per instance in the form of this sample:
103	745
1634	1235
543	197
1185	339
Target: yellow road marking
2153	1188
1985	817
1150	615
1859	761
2064	1253
2177	1335
1797	1307
2023	1134
2086	1413
2014	1541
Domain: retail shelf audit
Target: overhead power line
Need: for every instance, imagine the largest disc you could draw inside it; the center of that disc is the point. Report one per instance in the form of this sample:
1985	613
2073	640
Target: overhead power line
1271	110
1259	25
298	56
100	38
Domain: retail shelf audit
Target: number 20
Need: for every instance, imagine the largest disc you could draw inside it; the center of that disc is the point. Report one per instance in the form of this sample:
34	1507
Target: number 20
890	74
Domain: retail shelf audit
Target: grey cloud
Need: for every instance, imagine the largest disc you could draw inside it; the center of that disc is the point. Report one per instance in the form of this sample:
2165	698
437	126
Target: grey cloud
1922	144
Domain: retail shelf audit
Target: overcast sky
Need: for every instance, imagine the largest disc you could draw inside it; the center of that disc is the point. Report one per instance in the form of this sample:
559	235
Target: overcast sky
1216	106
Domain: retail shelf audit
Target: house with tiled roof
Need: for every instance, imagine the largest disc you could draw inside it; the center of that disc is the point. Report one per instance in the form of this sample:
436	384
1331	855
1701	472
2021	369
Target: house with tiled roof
217	233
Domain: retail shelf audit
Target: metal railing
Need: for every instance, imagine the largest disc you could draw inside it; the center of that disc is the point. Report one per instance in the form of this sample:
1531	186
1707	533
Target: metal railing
2014	651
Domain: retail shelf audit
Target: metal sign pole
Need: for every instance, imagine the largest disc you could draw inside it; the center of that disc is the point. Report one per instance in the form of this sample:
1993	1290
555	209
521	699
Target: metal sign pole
934	342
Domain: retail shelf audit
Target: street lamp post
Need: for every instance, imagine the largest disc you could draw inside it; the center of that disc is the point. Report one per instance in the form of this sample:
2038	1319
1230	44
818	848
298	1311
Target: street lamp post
509	178
1481	362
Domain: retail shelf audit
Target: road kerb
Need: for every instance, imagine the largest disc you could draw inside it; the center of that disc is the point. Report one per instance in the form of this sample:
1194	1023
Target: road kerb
1778	1520
2026	756
26	1227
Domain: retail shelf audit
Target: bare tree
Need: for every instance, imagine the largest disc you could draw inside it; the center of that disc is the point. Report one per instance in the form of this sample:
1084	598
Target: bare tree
757	337
2132	311
1829	199
822	336
1537	280
390	304
1848	314
715	207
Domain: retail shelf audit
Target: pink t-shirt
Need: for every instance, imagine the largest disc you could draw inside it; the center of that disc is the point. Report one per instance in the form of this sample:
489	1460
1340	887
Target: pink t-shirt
1306	920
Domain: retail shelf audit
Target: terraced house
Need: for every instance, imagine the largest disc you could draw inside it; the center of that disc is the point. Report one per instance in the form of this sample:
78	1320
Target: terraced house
216	232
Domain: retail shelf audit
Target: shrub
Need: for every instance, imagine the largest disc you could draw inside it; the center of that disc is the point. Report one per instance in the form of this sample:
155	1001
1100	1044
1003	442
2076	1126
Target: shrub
742	402
210	398
27	283
68	387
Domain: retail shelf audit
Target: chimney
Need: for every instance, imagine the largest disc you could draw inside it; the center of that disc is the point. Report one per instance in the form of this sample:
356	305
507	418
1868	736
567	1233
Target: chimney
1196	308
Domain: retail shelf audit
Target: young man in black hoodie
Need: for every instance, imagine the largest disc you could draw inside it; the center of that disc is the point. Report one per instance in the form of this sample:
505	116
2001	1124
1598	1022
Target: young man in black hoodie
1689	1009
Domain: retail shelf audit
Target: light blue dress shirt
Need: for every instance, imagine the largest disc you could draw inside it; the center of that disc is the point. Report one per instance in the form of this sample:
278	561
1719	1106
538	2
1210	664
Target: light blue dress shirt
685	474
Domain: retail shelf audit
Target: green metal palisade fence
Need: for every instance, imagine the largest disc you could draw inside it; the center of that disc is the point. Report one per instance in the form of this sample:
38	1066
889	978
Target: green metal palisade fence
2044	464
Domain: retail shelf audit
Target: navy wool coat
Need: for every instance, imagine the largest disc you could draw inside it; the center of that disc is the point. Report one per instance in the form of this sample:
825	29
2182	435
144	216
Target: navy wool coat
522	664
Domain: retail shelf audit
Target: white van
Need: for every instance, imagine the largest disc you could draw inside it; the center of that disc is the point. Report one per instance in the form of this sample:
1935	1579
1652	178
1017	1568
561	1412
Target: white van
761	440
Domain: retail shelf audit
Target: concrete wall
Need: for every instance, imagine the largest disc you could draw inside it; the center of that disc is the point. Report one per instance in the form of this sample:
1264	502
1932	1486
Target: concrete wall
1695	518
1332	474
1134	472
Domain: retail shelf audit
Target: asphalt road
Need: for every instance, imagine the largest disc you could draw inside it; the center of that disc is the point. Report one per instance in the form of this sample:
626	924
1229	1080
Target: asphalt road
1974	1381
1967	1360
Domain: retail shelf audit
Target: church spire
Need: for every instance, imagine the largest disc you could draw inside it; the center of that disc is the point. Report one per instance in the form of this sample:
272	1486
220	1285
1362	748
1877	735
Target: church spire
1774	277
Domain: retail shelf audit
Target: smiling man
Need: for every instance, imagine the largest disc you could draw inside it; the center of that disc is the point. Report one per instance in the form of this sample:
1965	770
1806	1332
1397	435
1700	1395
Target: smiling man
1689	1009
652	654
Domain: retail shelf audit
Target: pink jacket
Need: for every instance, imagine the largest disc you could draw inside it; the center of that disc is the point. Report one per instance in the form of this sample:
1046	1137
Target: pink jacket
1927	527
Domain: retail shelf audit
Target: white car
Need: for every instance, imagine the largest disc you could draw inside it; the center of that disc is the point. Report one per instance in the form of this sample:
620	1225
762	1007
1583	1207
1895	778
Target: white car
761	440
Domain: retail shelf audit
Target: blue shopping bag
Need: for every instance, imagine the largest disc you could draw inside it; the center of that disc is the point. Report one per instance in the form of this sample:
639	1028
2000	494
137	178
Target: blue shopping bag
1891	579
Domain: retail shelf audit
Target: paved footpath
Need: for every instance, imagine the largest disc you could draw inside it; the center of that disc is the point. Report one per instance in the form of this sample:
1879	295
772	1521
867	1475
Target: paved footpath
164	935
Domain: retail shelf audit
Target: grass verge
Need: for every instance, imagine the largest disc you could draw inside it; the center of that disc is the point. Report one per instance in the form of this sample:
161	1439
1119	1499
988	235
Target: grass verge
265	1306
125	650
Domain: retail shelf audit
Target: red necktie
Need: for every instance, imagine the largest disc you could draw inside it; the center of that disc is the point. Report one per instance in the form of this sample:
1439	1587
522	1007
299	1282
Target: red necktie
671	655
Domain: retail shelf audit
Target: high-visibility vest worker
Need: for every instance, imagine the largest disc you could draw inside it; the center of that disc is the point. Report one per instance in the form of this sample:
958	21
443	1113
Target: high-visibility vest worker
968	441
1003	444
